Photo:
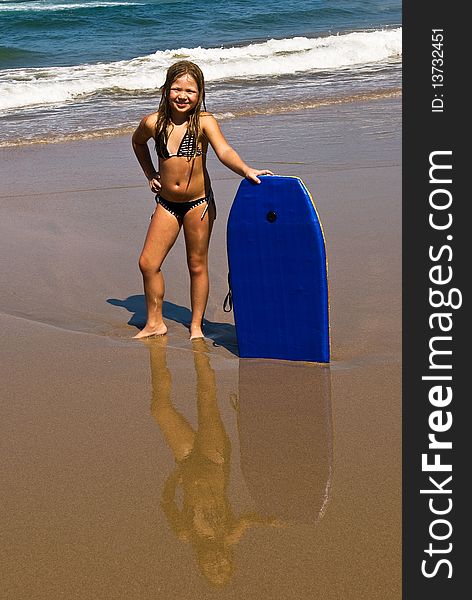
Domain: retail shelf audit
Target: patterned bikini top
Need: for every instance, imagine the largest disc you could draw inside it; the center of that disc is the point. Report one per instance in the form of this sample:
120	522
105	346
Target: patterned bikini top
186	148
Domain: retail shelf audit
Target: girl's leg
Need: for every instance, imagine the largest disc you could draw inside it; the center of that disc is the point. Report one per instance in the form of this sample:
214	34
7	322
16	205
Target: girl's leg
211	438
162	233
197	233
176	429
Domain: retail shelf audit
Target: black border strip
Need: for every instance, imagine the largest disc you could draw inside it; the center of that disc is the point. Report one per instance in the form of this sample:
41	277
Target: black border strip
424	247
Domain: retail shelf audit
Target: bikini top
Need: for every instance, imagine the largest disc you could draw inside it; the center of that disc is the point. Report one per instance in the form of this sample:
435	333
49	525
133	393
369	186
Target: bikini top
186	148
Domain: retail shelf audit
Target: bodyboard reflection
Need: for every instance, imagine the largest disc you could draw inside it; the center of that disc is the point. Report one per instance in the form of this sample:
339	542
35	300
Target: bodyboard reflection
286	441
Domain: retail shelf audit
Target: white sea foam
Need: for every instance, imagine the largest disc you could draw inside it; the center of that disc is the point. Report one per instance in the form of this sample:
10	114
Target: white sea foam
34	5
57	85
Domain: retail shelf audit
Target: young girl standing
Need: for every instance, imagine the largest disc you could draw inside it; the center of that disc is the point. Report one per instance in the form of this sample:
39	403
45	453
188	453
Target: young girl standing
182	132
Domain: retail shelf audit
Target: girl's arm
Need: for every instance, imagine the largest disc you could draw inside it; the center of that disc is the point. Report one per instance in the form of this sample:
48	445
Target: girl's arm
169	506
226	154
245	521
143	133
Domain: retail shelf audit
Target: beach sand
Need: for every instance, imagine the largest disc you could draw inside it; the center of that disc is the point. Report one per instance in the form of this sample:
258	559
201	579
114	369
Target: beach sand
86	420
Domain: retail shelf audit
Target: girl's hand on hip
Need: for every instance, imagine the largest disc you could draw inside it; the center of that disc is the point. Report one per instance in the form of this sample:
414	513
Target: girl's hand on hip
155	183
252	174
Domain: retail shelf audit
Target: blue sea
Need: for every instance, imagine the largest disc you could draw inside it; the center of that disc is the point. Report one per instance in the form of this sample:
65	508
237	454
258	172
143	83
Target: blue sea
88	68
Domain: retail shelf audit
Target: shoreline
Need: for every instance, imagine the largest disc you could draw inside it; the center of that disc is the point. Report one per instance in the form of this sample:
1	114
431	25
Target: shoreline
312	104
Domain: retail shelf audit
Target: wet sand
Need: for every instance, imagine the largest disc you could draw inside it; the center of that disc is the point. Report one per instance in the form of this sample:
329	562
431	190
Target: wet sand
107	442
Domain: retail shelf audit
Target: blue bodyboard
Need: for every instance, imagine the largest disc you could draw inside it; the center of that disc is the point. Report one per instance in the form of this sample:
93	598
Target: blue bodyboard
278	271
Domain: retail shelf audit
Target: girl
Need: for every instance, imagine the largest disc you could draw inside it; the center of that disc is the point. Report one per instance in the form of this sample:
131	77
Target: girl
195	498
182	132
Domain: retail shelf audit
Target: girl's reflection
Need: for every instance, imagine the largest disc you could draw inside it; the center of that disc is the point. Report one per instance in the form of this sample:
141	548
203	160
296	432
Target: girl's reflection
205	519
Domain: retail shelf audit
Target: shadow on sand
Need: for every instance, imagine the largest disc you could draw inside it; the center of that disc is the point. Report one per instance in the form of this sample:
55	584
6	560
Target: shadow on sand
221	334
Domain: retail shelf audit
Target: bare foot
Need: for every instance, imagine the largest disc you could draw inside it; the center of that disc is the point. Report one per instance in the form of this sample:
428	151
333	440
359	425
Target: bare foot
196	331
149	331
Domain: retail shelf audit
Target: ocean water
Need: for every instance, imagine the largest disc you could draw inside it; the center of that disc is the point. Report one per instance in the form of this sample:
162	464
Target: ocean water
84	68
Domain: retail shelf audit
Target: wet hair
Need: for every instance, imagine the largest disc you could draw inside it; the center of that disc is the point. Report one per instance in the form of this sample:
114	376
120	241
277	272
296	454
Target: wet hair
178	69
215	561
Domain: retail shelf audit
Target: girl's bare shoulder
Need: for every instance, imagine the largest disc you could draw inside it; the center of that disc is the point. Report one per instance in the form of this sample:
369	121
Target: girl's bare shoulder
207	121
204	116
146	128
149	121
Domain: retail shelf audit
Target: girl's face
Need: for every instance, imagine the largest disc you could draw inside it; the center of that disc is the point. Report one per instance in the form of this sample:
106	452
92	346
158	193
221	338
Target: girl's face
183	95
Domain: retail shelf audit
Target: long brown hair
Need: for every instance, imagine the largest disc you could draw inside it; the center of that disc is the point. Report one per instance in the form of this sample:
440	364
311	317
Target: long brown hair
178	69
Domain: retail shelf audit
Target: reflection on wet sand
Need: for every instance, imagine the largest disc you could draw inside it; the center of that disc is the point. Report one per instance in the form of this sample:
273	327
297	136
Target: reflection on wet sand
204	518
285	434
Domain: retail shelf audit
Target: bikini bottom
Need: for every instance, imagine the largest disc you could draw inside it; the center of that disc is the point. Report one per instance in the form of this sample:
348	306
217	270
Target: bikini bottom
180	209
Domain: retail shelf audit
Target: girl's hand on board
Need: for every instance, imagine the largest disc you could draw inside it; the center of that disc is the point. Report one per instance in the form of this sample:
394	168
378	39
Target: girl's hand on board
252	174
155	183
